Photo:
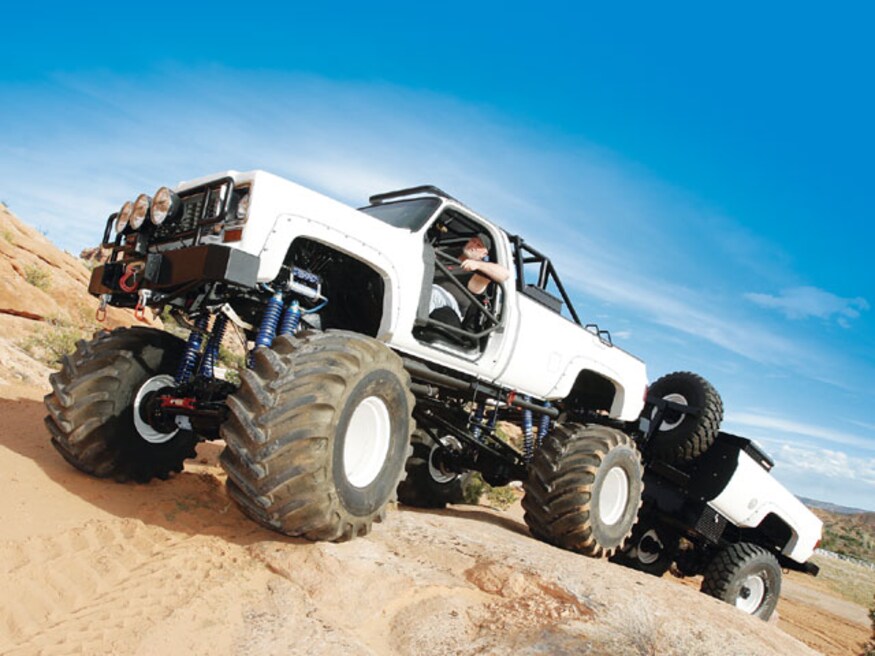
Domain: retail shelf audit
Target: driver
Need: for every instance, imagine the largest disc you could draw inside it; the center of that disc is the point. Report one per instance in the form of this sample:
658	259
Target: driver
444	306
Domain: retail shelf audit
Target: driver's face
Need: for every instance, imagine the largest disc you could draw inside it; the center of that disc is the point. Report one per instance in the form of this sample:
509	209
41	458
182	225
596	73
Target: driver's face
475	249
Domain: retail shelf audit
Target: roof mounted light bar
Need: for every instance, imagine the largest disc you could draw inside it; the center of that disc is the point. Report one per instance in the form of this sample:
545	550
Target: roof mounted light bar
376	199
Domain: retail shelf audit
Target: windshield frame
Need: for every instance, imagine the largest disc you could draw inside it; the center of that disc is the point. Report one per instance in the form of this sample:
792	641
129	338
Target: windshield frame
416	218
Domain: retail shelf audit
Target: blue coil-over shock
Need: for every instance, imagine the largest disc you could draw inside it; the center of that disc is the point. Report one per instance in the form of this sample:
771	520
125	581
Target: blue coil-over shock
211	354
270	321
192	350
477	421
528	436
544	426
291	319
493	420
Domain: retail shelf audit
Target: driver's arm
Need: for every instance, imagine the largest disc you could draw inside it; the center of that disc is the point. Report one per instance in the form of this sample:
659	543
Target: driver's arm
485	272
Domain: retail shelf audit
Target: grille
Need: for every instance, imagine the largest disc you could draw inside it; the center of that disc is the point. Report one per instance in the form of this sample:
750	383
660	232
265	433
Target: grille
711	524
192	213
186	222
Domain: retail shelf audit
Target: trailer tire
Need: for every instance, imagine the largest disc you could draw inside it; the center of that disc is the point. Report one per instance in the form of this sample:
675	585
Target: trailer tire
682	437
584	489
318	435
425	485
94	402
746	576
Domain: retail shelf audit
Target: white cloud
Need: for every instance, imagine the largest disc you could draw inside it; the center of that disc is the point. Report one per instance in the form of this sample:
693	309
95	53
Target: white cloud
797	428
805	302
595	270
828	463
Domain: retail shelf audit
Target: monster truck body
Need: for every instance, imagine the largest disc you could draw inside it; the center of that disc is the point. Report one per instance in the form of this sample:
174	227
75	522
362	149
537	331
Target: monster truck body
535	351
351	379
306	279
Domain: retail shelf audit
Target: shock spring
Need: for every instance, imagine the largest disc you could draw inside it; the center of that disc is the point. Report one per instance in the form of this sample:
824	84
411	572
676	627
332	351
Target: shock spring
211	354
291	319
269	322
477	429
528	437
544	426
192	350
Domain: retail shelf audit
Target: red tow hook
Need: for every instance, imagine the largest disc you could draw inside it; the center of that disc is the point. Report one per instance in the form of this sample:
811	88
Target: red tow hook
131	271
142	301
101	308
140	312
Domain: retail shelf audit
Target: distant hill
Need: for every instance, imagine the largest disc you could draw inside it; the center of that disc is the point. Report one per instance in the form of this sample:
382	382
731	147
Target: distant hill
832	507
848	533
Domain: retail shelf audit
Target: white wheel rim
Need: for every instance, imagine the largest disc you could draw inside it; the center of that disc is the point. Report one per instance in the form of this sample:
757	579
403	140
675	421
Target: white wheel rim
438	474
751	595
146	431
674	398
649	557
366	442
613	496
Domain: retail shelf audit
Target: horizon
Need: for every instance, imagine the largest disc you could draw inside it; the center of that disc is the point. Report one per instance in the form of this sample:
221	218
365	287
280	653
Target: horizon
706	202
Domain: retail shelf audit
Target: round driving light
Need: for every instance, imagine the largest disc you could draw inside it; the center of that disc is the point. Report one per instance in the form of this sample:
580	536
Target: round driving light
141	209
124	216
165	205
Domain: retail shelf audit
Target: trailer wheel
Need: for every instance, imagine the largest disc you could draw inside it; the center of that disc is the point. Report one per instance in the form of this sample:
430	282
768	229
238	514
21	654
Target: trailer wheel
427	484
584	489
681	437
746	576
318	434
95	401
650	548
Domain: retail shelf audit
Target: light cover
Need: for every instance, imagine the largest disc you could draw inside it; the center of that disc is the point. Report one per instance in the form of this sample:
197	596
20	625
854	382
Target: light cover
141	209
124	216
165	204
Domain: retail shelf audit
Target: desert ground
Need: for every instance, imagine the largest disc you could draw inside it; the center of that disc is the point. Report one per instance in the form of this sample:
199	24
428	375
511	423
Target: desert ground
173	567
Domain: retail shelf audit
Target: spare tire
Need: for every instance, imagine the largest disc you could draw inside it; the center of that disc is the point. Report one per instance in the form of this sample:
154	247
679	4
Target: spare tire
681	437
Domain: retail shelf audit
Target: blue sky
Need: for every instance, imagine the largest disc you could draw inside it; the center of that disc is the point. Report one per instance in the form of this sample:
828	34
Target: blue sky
702	176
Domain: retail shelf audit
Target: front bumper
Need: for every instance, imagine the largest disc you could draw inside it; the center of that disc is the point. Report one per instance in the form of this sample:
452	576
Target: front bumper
175	270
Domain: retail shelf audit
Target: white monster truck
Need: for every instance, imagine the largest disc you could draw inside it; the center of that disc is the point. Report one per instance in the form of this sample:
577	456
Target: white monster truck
344	353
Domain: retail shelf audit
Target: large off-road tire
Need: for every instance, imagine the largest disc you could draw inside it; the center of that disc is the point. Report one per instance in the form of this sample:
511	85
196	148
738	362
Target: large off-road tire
318	435
94	406
746	576
584	489
681	437
427	485
650	548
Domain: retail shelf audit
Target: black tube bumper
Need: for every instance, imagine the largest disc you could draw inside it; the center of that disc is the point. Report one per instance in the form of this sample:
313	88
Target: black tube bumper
170	270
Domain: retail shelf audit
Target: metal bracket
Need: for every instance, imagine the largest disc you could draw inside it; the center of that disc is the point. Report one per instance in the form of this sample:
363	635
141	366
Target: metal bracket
229	312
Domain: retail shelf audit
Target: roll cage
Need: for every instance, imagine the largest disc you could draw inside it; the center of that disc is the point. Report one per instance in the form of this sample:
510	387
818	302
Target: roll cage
544	287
